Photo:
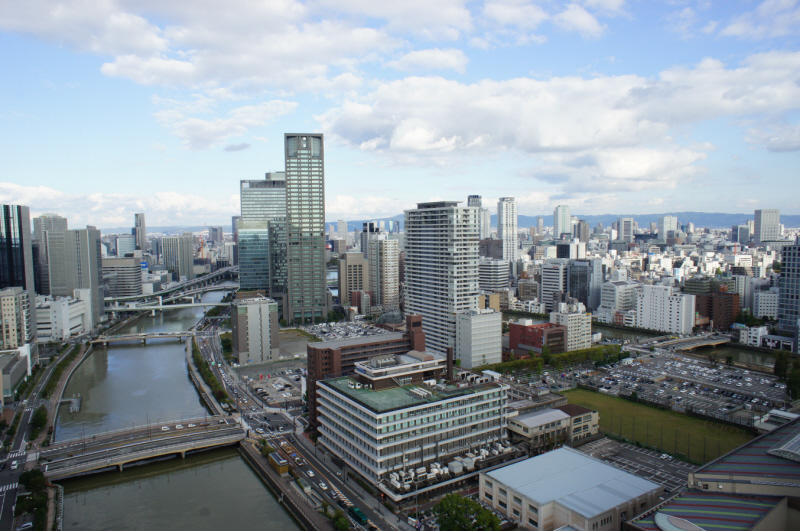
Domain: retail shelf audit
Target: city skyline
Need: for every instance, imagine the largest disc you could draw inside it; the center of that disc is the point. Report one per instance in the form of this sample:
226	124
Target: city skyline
599	104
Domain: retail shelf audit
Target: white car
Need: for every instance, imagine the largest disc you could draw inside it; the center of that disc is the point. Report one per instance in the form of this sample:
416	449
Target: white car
323	486
14	465
164	428
310	473
178	426
191	426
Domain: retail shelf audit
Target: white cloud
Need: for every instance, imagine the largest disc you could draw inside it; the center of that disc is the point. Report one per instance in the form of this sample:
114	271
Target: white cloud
777	138
772	18
114	210
520	14
198	133
349	207
607	6
576	18
432	59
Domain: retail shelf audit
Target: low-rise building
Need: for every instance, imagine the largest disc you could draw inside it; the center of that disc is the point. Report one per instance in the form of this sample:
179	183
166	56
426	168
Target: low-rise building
543	429
528	336
17	319
567	488
59	318
15	366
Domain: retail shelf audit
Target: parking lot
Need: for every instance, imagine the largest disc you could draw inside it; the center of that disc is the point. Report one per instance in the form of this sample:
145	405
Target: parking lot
332	331
693	383
658	468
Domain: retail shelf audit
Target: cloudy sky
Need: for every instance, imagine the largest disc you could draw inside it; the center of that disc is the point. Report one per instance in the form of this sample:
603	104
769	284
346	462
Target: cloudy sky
110	107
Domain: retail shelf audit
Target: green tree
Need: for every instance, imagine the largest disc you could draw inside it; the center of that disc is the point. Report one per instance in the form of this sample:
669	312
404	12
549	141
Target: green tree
341	524
776	266
39	418
455	513
781	368
546	356
729	361
505	327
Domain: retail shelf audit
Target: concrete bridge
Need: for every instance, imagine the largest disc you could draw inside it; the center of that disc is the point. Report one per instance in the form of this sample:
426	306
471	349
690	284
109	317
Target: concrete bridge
155	306
117	456
190	284
105	340
691	343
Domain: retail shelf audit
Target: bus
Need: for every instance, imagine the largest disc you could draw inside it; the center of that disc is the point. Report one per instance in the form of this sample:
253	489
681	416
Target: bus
357	515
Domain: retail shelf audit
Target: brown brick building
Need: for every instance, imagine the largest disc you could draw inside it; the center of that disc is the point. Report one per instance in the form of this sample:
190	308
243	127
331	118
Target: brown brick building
720	307
537	336
336	358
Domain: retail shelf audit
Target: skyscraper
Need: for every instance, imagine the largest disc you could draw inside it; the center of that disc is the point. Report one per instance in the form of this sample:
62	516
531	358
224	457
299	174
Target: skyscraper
179	255
540	225
441	267
474	201
42	224
16	255
625	229
384	279
263	223
767	225
140	231
76	263
788	300
507	227
485	223
235	225
582	231
306	284
341	230
562	221
216	235
666	224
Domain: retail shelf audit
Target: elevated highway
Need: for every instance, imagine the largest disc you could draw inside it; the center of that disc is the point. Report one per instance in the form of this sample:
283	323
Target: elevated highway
188	285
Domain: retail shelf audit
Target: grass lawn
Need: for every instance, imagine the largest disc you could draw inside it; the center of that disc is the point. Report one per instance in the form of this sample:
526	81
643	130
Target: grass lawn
693	439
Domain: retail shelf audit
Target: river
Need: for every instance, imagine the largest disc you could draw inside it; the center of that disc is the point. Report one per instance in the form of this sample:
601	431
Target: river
125	384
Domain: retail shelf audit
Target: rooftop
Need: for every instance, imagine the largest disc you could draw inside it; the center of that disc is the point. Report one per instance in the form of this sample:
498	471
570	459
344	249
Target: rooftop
708	511
537	418
393	398
574	410
576	481
349	342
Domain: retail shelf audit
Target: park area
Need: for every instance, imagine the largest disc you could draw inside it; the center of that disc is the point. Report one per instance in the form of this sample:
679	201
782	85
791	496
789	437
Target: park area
691	439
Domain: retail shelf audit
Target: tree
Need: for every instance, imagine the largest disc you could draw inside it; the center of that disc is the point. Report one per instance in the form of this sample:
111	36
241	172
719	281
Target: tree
505	327
39	418
455	513
546	356
781	368
729	361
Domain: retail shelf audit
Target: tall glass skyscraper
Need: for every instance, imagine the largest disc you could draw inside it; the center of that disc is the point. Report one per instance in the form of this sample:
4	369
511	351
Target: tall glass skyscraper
254	255
306	285
562	221
16	256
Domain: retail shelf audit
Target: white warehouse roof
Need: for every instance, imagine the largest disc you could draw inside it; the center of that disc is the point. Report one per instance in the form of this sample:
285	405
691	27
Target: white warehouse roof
540	418
574	480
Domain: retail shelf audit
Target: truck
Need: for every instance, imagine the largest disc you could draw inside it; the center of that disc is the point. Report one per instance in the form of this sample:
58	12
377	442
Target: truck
357	515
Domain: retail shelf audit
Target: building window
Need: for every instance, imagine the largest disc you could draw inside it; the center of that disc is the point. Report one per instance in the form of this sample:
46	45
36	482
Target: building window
517	500
488	484
503	492
503	505
533	522
516	512
487	495
533	509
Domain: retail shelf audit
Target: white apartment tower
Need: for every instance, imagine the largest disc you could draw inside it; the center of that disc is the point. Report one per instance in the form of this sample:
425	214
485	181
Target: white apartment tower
441	259
384	272
562	221
507	227
767	225
665	308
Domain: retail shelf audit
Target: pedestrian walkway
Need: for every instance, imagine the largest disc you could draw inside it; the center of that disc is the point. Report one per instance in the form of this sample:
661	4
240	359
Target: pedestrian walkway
5	488
55	399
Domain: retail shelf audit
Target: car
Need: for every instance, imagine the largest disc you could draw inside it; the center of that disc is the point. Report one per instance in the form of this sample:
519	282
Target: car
2	466
342	504
259	430
14	465
310	473
323	486
26	525
191	425
178	426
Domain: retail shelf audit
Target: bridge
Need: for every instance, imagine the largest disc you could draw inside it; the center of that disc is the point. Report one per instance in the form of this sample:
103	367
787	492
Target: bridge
691	343
197	282
153	307
105	340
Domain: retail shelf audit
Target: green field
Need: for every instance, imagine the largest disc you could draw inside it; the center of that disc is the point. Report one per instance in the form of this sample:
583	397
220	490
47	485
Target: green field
689	438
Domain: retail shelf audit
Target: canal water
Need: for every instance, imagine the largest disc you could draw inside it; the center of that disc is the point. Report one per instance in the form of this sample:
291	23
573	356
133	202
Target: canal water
130	384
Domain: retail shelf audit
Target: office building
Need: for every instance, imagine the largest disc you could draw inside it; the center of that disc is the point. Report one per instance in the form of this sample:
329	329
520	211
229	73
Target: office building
337	357
61	318
625	229
573	316
540	225
555	281
491	249
721	308
384	277
665	225
562	222
441	267
545	428
585	281
789	298
307	287
124	276
740	234
15	368
179	256
507	227
665	309
570	249
492	275
140	231
126	244
235	224
41	224
263	206
566	487
474	201
364	418
76	263
215	235
582	231
371	230
17	317
16	254
479	338
254	256
341	231
254	330
527	336
767	225
353	275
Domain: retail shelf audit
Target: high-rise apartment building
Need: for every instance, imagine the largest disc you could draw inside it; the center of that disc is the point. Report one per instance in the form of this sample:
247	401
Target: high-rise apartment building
666	224
384	278
353	275
263	207
140	231
625	229
441	267
16	254
254	330
306	283
767	225
179	255
76	262
507	227
562	221
17	317
475	201
484	216
664	308
789	298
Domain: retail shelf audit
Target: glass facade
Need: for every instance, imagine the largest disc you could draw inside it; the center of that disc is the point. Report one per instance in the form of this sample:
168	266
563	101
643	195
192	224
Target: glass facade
307	290
254	255
16	255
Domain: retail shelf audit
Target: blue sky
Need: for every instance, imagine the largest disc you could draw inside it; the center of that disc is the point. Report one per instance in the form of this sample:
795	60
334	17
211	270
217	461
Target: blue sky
110	107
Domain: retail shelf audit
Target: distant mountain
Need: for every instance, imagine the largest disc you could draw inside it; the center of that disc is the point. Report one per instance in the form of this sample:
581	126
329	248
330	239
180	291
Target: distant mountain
700	219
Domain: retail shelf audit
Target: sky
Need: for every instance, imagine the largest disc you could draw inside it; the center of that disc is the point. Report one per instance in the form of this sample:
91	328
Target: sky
111	107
